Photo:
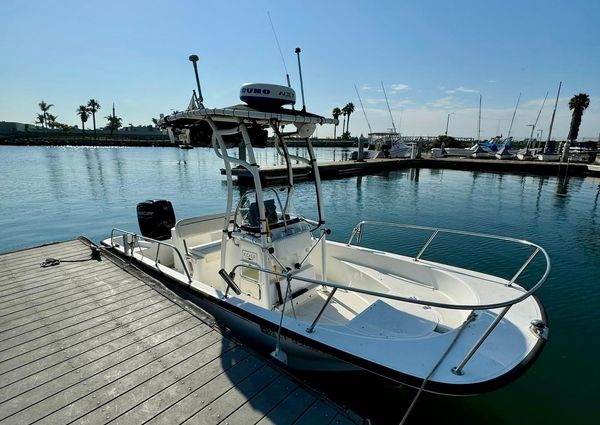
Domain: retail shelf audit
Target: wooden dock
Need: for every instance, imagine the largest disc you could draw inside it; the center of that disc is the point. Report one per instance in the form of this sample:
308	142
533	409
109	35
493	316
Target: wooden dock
341	169
98	341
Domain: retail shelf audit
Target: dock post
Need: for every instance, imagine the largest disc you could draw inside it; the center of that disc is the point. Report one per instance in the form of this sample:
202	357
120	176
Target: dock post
360	149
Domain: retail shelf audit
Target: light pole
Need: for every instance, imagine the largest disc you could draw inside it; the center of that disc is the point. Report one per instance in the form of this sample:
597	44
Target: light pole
448	122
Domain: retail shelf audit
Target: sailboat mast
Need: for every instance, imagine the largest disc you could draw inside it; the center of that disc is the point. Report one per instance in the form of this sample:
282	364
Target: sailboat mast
388	106
363	109
553	114
479	121
513	117
538	117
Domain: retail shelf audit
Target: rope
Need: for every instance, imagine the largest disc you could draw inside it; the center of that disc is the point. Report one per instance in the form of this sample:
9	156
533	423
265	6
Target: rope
50	261
469	319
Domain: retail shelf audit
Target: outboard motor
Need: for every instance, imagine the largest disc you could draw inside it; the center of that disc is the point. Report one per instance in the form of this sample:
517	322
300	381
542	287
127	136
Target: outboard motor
156	218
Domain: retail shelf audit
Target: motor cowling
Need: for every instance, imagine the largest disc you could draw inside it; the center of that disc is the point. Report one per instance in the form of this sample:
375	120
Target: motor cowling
156	218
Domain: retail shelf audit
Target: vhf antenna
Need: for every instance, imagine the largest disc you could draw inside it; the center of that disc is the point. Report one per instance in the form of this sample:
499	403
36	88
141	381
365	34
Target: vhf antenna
301	83
193	60
287	75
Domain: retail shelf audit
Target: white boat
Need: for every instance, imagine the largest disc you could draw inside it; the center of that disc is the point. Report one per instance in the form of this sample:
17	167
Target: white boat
504	153
275	279
548	157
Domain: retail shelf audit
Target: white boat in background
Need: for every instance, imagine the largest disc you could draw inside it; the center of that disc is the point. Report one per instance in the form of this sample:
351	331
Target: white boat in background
504	153
273	277
548	157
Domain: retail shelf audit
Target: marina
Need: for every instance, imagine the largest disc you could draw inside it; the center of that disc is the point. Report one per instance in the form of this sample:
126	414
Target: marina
475	200
91	339
342	169
240	213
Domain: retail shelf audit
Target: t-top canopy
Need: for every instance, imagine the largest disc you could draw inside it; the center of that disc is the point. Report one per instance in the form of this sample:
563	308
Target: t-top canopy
244	112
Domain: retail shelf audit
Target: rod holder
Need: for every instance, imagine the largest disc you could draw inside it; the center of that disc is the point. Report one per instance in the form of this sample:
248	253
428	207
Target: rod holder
229	281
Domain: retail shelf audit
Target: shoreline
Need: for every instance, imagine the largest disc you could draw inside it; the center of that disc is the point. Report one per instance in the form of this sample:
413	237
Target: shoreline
149	142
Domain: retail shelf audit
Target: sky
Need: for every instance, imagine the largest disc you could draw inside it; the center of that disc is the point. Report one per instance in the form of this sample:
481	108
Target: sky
434	58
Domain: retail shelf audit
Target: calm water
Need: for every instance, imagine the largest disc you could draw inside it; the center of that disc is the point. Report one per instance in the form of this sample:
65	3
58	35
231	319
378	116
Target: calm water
50	194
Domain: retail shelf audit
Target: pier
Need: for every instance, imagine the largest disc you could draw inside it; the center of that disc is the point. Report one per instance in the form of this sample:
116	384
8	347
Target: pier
341	169
89	338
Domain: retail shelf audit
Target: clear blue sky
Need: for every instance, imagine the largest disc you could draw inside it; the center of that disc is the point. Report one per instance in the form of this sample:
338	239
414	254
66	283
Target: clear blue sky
434	58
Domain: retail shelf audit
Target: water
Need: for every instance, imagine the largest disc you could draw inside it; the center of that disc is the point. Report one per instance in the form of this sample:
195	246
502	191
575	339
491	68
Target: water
50	194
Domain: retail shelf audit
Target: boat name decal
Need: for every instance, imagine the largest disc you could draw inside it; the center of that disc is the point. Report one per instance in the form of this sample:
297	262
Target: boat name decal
249	256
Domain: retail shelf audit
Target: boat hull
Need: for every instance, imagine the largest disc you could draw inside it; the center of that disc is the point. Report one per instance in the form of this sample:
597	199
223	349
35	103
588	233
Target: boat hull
306	353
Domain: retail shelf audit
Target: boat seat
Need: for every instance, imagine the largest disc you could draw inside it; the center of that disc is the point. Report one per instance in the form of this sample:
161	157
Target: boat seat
201	252
270	213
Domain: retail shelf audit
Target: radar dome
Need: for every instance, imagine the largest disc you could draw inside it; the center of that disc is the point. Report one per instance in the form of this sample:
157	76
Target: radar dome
267	95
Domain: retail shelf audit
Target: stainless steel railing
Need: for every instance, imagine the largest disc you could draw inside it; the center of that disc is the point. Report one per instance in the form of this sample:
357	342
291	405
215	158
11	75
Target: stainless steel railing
505	305
359	230
136	241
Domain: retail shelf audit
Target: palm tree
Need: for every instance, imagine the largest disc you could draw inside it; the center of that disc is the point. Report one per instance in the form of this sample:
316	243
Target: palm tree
45	107
93	107
577	104
40	119
114	123
349	110
51	121
82	111
335	113
344	113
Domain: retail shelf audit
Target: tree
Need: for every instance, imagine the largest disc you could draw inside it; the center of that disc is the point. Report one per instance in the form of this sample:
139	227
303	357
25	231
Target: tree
446	141
51	121
93	107
349	110
82	111
344	113
114	123
45	107
577	104
155	122
335	113
40	119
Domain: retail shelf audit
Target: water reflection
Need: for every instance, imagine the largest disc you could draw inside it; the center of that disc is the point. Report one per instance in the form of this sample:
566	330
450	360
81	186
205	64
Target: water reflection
95	173
55	171
119	166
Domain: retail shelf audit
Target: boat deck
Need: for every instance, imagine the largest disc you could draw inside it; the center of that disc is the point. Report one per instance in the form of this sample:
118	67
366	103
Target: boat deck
99	341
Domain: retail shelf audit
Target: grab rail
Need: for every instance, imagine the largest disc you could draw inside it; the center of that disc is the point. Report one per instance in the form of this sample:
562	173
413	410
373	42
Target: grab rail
506	305
136	239
359	229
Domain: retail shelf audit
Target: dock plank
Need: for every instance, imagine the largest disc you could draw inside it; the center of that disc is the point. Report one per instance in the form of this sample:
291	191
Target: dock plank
99	341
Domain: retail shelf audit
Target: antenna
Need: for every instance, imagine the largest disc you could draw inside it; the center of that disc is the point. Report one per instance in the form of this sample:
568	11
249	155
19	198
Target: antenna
301	83
363	109
513	117
287	75
193	60
388	106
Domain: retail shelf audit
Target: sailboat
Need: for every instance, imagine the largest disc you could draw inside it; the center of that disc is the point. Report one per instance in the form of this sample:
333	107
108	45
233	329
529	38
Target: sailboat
275	278
387	144
527	154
